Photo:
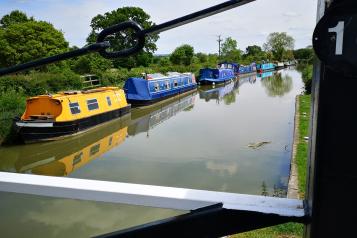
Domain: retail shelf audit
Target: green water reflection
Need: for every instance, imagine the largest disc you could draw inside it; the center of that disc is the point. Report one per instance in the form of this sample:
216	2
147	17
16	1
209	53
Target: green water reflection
198	140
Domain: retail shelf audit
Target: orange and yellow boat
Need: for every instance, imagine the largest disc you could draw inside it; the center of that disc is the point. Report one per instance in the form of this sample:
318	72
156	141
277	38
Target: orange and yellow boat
51	117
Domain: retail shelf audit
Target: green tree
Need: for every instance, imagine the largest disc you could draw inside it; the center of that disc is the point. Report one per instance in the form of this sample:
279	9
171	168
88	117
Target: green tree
306	55
212	59
13	18
254	53
202	57
91	64
230	51
254	50
126	39
278	44
182	55
26	41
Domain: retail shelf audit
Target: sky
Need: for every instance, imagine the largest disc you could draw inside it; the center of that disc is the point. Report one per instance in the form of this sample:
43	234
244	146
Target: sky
249	24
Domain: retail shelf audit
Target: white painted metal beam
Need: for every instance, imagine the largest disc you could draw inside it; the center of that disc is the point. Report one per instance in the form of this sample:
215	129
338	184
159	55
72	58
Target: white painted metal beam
145	195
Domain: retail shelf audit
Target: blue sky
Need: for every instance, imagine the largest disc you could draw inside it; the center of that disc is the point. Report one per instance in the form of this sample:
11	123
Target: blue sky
249	24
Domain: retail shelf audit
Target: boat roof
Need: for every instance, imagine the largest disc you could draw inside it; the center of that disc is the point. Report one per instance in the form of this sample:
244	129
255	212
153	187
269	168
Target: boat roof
74	93
167	75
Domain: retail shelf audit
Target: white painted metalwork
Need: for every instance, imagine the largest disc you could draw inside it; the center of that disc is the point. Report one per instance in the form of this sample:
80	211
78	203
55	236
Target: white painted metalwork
34	124
145	195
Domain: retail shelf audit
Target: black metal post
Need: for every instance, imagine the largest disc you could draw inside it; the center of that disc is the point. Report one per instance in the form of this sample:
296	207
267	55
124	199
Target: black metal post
333	160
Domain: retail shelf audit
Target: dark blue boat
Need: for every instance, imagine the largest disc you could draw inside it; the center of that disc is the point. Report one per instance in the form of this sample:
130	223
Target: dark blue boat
223	73
152	88
239	69
247	69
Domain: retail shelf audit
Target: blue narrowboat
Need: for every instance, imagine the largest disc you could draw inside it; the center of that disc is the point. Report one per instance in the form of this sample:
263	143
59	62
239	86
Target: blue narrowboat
229	65
152	88
265	67
239	69
223	73
247	69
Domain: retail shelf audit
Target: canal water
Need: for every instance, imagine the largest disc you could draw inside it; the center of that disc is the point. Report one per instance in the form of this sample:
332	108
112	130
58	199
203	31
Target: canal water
208	139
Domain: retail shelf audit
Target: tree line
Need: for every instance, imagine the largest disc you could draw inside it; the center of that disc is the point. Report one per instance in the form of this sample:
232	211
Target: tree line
24	39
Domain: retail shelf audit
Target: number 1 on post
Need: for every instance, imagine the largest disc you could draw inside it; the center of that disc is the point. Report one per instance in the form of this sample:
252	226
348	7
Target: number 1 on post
339	30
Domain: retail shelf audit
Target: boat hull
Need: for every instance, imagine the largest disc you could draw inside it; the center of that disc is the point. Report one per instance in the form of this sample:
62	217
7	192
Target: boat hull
46	131
209	81
141	103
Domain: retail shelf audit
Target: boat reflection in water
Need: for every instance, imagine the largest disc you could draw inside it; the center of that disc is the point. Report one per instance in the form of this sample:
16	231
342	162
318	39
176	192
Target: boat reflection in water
266	75
60	158
145	120
225	92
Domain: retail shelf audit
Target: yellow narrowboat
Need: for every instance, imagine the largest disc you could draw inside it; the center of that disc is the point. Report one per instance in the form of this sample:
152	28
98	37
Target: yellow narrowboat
51	117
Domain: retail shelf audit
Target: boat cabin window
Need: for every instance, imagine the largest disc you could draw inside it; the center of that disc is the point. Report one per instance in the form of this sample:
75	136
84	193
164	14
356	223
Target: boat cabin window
109	101
175	83
77	159
92	104
157	87
74	106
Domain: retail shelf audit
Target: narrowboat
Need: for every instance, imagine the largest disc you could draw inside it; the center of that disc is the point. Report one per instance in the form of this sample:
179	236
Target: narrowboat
265	67
279	65
152	88
229	65
225	72
247	69
52	117
239	69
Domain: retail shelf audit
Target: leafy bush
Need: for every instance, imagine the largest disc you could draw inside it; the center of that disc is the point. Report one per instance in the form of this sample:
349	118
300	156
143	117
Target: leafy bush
41	83
12	104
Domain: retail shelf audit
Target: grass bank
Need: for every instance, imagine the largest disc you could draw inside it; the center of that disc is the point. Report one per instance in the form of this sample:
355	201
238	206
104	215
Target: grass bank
291	230
302	145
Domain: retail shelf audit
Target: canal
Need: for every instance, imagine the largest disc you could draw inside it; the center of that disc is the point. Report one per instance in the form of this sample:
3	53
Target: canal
232	138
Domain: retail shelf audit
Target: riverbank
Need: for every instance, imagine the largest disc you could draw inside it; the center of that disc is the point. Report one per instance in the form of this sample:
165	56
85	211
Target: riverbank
302	142
297	181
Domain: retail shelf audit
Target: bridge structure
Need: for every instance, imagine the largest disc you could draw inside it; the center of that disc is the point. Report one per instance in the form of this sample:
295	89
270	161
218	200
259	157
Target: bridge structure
328	209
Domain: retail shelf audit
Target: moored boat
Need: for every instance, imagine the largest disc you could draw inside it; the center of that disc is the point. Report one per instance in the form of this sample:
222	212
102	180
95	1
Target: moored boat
152	88
247	69
263	67
239	69
51	117
230	65
223	73
279	65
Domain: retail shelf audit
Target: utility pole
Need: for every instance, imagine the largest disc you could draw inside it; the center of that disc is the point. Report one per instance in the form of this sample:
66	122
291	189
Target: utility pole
219	46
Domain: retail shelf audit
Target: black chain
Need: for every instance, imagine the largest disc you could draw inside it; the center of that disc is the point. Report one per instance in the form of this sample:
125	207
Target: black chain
139	37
